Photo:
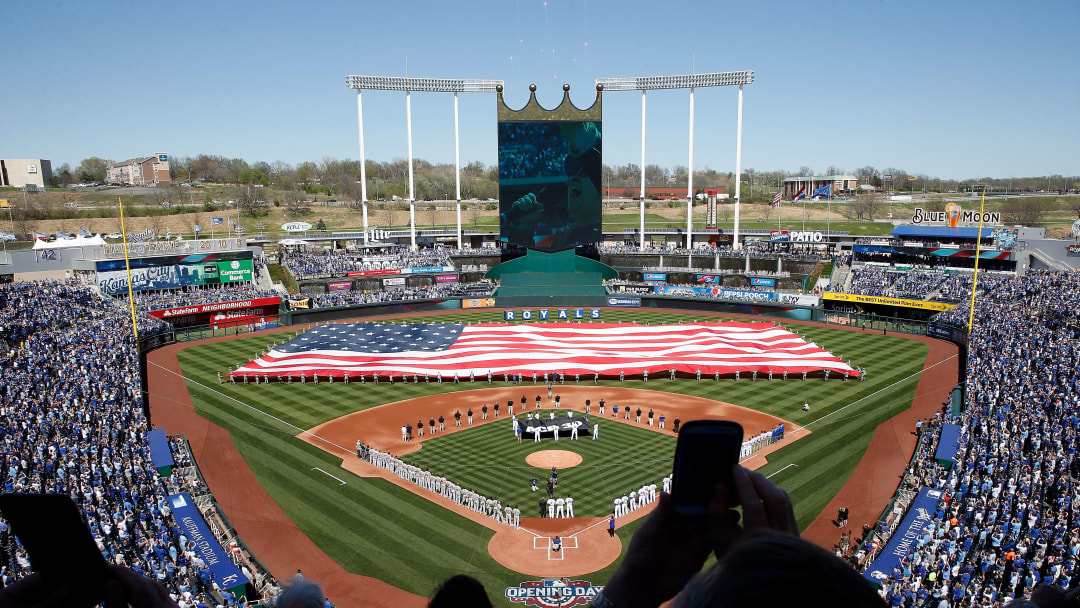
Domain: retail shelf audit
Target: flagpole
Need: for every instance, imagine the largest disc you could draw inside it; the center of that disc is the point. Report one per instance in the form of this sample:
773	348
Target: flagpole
978	250
127	266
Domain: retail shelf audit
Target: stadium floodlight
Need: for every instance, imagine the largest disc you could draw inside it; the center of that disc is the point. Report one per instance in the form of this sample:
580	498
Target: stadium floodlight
421	85
685	81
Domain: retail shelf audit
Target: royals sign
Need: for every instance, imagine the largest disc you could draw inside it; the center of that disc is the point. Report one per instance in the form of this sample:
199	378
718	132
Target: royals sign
553	593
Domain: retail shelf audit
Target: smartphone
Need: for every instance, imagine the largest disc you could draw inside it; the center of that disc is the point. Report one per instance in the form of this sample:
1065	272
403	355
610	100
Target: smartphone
60	546
705	454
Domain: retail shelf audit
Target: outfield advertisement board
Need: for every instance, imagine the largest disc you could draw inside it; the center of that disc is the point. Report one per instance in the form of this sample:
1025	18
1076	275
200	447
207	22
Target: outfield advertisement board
861	299
740	295
558	314
624	301
478	303
446	278
173	272
339	285
762	282
655	276
220	314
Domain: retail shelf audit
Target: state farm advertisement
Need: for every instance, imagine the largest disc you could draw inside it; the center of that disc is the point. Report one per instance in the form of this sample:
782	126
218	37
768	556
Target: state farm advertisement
219	314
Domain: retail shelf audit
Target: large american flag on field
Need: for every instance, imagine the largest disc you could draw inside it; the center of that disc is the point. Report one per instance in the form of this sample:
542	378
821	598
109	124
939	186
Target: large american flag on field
607	348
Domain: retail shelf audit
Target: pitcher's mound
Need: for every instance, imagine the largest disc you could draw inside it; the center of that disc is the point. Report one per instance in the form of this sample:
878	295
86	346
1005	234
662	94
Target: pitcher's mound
561	459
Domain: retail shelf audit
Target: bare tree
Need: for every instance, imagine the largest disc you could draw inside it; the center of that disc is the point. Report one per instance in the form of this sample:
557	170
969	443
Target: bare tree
294	204
250	202
864	208
1024	211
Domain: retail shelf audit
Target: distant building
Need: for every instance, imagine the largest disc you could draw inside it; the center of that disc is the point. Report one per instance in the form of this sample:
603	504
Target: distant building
651	192
141	171
18	172
841	184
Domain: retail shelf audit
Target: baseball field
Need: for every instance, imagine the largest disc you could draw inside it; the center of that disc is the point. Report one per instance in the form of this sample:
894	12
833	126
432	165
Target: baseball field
374	527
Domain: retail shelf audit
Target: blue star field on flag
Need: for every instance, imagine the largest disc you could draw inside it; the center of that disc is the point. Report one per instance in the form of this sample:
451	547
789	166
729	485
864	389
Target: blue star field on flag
375	338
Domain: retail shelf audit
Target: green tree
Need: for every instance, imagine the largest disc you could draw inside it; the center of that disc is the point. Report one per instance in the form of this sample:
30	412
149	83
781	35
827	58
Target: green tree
321	225
92	169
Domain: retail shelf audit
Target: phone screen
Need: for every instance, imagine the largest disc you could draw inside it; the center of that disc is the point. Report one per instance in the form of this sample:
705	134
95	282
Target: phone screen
706	452
58	542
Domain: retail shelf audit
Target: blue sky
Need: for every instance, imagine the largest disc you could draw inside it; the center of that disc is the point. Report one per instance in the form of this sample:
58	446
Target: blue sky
949	89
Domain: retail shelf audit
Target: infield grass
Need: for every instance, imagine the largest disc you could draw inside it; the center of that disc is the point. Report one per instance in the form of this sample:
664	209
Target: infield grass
377	529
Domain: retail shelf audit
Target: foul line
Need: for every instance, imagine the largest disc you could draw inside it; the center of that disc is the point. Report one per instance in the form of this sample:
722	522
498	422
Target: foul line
249	406
327	474
787	467
900	381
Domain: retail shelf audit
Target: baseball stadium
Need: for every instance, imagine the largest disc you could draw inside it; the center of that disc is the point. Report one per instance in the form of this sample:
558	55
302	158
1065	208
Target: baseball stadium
380	411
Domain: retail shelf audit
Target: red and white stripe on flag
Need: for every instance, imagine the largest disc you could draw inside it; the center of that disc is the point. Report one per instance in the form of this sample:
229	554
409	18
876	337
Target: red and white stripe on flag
604	348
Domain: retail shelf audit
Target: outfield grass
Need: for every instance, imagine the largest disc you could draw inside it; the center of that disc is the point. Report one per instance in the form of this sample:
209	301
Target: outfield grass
375	528
489	460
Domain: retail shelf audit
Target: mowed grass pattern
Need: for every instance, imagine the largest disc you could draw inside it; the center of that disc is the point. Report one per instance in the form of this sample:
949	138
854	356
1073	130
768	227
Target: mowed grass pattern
489	460
374	528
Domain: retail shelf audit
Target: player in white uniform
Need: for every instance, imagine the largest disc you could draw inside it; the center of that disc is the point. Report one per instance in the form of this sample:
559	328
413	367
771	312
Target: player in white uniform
560	507
633	500
551	507
569	507
595	430
573	430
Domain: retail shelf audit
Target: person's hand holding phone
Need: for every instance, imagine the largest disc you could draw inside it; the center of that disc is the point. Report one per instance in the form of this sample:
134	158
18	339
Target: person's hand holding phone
766	509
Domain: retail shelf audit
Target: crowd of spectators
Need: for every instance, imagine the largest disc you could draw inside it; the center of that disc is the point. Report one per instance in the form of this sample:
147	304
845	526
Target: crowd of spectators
441	290
755	250
72	424
1010	515
306	263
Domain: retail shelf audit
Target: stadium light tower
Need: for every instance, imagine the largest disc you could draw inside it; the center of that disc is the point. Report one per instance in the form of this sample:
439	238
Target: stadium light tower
686	81
423	85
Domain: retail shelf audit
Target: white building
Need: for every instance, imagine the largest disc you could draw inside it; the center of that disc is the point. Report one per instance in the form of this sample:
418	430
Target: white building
18	172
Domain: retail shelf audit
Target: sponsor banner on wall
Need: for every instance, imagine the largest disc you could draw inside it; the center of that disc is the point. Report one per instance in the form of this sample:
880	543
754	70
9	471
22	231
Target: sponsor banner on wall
740	295
799	300
919	515
624	301
779	236
655	276
373	273
220	306
446	278
339	285
861	299
478	303
427	269
400	281
762	282
224	572
246	316
707	278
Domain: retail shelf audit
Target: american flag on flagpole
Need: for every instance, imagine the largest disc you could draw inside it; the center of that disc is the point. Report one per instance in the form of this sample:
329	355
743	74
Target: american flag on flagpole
605	348
779	197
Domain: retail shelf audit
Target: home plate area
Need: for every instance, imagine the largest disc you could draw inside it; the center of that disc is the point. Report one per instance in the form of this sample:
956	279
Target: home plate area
544	543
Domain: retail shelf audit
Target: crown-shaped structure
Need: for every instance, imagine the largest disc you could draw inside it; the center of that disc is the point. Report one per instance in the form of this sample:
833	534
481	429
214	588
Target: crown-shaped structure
566	110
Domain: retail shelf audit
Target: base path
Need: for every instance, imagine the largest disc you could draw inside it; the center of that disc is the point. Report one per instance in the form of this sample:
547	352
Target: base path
587	547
